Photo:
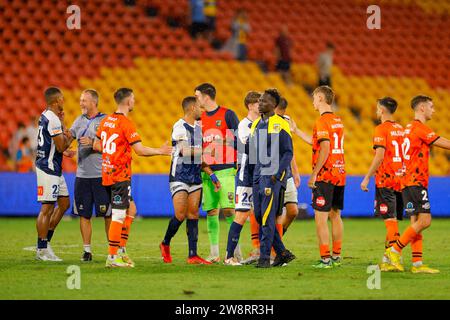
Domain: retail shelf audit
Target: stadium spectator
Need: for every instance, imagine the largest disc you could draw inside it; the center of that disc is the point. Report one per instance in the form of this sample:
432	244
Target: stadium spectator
283	45
324	64
15	141
240	29
24	156
32	132
198	19
210	11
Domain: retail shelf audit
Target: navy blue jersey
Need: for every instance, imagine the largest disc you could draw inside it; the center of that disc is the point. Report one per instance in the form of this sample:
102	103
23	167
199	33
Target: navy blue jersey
244	174
289	169
48	159
270	148
186	169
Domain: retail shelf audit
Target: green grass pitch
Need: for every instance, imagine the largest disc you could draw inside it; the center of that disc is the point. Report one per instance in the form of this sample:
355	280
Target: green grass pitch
24	278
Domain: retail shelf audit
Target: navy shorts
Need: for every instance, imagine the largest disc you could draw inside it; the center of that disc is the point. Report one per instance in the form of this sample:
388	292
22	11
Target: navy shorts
90	193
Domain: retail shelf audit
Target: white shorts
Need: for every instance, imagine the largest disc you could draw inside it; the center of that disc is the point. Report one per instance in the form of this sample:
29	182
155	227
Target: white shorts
177	186
50	187
290	195
244	198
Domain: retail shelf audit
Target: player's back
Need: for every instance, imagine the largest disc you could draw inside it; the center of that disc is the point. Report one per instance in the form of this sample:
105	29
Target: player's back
389	135
417	141
330	127
48	159
117	134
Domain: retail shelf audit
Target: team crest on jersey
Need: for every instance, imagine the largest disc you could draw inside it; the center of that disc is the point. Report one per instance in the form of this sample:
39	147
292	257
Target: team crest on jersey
218	123
267	191
276	127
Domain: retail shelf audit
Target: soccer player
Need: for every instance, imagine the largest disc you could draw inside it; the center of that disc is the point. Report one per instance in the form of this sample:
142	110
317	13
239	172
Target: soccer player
387	165
293	181
185	180
270	150
244	183
51	185
118	136
89	191
219	127
328	177
416	149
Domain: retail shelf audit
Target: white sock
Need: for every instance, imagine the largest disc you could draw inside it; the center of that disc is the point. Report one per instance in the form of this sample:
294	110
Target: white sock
87	247
417	263
122	250
326	260
237	252
112	257
214	250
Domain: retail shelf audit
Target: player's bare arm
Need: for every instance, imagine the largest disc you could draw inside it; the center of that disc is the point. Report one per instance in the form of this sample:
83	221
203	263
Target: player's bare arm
324	152
295	172
97	145
62	142
207	169
144	151
442	143
301	134
376	162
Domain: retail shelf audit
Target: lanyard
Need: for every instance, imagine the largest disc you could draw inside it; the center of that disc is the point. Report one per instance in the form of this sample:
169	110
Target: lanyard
89	123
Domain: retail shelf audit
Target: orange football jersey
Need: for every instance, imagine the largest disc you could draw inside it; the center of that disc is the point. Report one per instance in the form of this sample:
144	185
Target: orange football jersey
389	135
417	141
330	127
117	134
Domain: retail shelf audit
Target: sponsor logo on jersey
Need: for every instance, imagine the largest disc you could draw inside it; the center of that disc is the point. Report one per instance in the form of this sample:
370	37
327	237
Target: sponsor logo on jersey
383	208
320	201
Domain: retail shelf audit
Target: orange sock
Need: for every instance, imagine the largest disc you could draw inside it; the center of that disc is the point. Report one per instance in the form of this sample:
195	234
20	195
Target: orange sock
406	238
279	227
416	248
114	237
126	230
337	245
324	251
254	229
391	232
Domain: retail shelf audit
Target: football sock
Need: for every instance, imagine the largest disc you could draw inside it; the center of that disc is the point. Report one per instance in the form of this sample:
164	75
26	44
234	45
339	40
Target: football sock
416	249
392	232
114	237
50	235
87	248
192	234
405	238
172	229
337	245
233	238
324	252
279	228
212	223
42	243
254	229
126	230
